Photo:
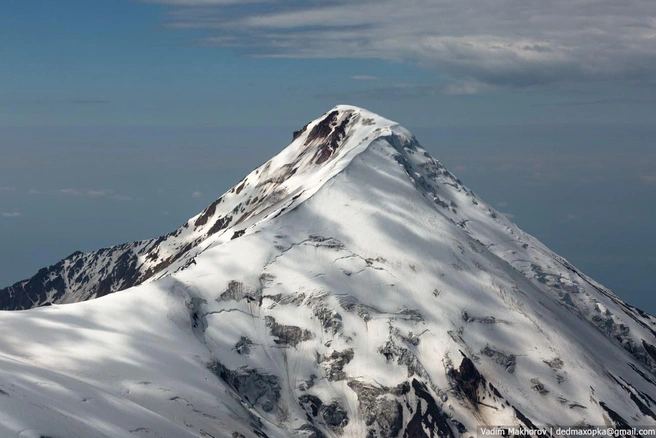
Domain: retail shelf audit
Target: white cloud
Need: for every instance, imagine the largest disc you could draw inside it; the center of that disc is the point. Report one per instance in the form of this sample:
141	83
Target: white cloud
196	194
476	43
365	78
91	193
12	214
77	192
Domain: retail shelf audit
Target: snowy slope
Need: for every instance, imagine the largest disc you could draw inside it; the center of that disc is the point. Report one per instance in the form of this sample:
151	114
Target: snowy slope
351	286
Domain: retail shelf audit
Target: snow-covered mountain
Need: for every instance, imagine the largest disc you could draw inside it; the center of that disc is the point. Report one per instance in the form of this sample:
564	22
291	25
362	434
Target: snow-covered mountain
350	286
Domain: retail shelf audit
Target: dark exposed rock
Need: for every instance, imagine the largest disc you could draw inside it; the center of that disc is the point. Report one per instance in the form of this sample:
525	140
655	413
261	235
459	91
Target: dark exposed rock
468	380
287	299
403	356
508	361
555	364
298	133
243	346
427	417
207	213
237	435
238	291
323	128
651	350
331	321
401	389
351	304
125	272
311	404
495	391
524	419
389	417
539	386
334	364
642	374
615	417
328	136
367	399
257	389
287	334
304	386
632	391
412	314
334	416
325	242
220	224
34	291
483	320
237	234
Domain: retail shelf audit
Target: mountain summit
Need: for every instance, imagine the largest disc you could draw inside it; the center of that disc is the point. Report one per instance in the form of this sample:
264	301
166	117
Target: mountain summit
351	286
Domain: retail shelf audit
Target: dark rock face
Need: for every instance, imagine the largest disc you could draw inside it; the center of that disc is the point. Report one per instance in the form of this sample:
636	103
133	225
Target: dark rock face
651	350
508	361
207	213
237	234
334	416
311	404
125	271
367	399
257	389
298	133
615	417
50	284
331	321
287	334
524	419
468	380
243	346
238	291
389	417
328	135
379	408
334	364
323	128
427	417
30	293
220	224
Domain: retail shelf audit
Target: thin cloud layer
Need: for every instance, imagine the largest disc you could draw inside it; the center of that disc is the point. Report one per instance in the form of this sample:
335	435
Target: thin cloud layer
474	43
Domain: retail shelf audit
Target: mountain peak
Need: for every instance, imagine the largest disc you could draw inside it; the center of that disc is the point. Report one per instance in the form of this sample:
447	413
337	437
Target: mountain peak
325	135
318	152
350	286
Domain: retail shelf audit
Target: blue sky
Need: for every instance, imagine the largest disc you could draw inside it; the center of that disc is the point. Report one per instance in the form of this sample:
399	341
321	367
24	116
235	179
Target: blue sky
122	119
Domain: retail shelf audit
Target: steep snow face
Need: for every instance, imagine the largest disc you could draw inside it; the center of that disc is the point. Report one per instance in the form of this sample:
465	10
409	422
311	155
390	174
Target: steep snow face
353	288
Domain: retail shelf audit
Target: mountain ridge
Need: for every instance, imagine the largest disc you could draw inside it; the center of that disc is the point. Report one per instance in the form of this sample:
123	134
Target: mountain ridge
131	263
